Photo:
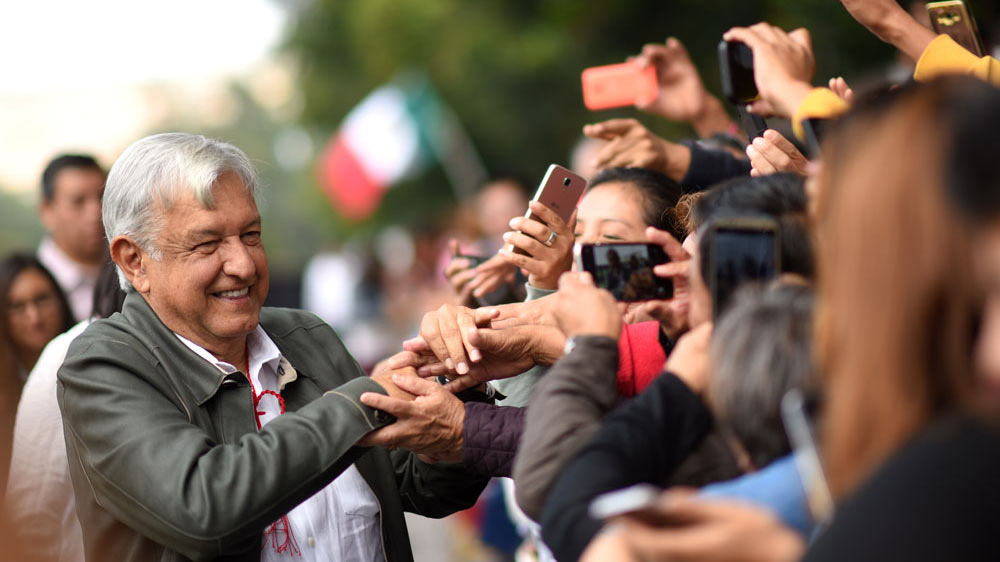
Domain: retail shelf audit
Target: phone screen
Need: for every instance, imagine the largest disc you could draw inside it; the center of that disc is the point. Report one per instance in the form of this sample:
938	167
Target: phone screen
741	255
626	270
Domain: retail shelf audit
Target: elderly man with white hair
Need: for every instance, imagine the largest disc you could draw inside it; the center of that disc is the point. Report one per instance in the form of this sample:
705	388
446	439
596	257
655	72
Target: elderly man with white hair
201	425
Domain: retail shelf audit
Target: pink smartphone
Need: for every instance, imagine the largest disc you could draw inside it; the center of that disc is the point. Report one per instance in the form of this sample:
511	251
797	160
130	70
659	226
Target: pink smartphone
618	85
560	191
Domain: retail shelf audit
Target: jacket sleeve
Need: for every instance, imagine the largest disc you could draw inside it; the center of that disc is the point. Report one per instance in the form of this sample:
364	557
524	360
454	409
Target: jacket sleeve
567	409
490	438
642	441
136	451
945	56
709	166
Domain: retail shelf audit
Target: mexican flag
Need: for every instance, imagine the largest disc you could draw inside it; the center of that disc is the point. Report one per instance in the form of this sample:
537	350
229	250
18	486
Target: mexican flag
393	134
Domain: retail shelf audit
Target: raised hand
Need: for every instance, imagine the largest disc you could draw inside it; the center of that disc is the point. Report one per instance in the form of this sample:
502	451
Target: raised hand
682	95
548	243
672	314
783	65
773	153
630	144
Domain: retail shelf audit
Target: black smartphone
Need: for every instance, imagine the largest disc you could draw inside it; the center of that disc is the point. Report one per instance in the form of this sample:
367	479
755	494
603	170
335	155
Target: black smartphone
736	65
626	269
473	259
741	251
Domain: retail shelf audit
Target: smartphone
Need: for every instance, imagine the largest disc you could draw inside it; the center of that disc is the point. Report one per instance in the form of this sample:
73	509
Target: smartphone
625	269
618	85
796	414
736	65
560	190
473	259
953	18
741	251
639	500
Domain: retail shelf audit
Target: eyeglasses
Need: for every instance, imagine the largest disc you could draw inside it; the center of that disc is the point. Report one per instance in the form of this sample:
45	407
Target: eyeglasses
42	301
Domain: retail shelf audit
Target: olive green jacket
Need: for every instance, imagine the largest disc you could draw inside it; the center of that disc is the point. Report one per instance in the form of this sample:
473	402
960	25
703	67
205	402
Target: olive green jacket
167	462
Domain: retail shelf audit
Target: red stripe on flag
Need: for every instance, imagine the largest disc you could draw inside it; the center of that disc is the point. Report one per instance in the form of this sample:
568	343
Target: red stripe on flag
352	192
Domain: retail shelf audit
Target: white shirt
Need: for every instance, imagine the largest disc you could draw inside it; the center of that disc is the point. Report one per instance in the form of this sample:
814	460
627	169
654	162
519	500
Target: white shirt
76	281
40	499
341	521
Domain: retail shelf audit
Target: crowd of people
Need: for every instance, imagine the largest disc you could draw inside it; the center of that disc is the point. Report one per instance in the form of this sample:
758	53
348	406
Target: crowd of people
844	404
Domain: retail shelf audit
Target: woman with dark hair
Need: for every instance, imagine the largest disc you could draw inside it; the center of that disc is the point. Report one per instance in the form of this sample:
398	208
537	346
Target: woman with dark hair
36	310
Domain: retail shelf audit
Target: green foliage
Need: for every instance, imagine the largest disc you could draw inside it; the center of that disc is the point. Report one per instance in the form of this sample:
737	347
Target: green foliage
510	68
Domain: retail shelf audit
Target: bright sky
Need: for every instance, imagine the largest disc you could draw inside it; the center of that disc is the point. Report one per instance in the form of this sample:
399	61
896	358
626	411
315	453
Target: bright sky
77	74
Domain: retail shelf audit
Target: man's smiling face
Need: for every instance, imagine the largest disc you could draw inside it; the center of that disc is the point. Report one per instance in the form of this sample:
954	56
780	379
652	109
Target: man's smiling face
211	279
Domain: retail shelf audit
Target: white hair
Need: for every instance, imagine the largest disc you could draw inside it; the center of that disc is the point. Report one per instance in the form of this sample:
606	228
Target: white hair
152	171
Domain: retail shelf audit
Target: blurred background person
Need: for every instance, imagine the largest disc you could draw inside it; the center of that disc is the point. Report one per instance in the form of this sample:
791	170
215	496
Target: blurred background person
39	502
35	311
70	210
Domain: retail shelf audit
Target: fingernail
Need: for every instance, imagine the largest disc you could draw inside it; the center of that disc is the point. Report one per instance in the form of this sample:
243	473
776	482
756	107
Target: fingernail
758	142
449	363
507	235
514	222
474	355
462	368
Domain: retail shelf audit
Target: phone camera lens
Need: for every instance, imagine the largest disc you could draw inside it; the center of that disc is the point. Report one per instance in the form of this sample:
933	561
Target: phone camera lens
566	182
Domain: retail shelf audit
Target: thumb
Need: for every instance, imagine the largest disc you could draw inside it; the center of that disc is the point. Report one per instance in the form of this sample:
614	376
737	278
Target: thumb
415	385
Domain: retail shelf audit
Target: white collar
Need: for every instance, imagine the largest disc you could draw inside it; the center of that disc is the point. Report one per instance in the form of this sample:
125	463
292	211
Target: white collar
261	349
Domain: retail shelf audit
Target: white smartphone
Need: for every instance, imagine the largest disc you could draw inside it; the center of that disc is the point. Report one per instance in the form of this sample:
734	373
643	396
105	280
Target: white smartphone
806	454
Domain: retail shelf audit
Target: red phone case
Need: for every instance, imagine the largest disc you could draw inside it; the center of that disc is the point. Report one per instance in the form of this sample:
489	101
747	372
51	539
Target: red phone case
618	85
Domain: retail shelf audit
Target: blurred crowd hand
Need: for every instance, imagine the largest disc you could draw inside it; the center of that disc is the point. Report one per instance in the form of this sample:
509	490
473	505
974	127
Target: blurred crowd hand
773	153
672	314
891	23
783	66
430	422
544	262
630	144
470	282
683	96
705	531
843	91
583	309
689	359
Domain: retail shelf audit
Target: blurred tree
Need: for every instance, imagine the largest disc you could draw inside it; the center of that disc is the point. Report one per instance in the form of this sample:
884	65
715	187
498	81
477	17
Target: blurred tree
511	68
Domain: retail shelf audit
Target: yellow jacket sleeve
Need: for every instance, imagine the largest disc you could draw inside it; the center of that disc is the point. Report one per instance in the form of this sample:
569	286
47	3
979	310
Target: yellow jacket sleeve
821	103
945	56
